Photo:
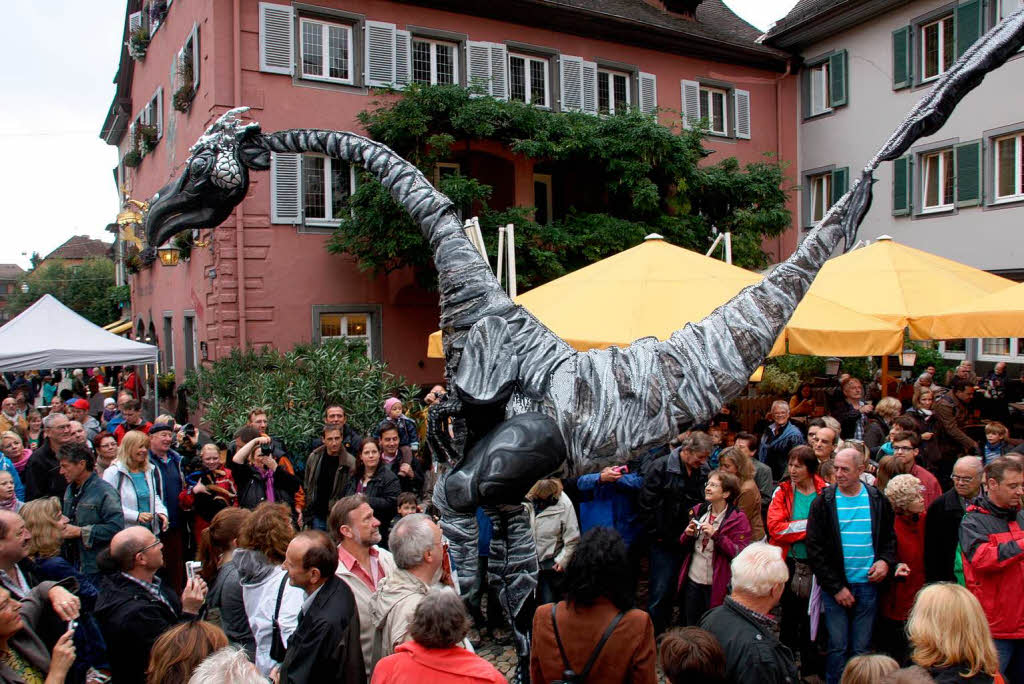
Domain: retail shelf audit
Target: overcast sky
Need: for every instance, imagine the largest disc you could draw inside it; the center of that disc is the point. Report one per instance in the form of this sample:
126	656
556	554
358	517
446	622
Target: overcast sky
59	62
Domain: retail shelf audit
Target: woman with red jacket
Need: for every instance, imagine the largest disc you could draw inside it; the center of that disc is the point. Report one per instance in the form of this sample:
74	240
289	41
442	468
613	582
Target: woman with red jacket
716	533
787	528
906	494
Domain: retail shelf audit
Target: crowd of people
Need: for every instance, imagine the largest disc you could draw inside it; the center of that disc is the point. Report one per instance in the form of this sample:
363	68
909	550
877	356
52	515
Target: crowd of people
859	541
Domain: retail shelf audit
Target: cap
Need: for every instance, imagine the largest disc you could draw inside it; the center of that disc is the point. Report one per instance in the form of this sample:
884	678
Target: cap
391	402
79	404
160	427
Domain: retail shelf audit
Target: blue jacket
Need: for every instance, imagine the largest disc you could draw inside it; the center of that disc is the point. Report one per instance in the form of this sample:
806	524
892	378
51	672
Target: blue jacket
19	488
169	484
96	508
614	504
774	449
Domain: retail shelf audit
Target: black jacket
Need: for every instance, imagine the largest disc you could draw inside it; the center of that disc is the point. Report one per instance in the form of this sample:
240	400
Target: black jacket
668	495
42	474
752	651
131	620
848	417
941	535
952	675
381	492
825	547
325	645
252	491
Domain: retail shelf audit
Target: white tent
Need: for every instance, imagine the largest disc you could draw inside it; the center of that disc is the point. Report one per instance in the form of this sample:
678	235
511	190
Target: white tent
50	335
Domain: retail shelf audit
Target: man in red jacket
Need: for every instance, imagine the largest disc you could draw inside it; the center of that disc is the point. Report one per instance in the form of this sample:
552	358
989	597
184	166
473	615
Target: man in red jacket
992	544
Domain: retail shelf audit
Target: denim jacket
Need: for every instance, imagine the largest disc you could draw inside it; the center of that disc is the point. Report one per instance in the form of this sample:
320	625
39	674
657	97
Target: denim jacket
96	508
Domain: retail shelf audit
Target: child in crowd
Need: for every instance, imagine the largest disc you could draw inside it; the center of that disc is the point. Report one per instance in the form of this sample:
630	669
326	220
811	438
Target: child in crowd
715	433
406	506
7	465
8	499
996	443
394	413
827	470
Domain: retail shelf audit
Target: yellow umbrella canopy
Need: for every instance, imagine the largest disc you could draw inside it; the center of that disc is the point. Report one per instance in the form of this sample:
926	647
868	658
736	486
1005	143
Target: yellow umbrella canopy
655	288
902	284
1000	314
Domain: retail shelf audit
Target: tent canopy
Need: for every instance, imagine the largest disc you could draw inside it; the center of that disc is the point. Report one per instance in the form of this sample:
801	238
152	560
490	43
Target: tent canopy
656	288
50	335
1000	314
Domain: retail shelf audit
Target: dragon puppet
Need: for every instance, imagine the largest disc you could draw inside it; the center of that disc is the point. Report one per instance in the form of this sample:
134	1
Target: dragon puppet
522	403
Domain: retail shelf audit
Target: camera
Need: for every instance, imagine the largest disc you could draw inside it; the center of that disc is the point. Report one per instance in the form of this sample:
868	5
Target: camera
267	449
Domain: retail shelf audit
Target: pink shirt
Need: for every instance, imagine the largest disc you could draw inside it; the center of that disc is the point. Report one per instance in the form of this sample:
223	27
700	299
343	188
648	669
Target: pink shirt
368	577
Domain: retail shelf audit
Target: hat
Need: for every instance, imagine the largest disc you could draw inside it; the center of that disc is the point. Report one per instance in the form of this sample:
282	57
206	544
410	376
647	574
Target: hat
391	402
160	427
81	404
109	401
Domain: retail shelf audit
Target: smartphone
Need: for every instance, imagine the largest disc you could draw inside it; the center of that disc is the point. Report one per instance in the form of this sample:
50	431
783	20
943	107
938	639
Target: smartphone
192	569
72	625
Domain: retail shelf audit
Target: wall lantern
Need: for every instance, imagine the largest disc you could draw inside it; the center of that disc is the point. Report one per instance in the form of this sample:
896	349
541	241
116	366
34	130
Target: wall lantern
908	357
169	254
832	365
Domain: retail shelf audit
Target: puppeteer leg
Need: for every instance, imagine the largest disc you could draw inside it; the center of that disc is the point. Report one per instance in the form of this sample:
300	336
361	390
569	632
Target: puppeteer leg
512	568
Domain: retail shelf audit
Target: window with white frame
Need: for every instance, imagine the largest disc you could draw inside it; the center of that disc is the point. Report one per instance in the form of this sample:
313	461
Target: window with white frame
714	108
528	80
821	195
434	62
327	185
346	326
326	50
995	346
1009	183
612	92
937	180
819	87
953	349
938	47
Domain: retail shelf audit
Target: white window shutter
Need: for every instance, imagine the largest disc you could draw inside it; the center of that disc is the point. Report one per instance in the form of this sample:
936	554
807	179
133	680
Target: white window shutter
175	65
285	188
196	53
276	34
590	87
380	54
159	112
691	102
741	112
134	22
571	83
648	92
403	58
499	71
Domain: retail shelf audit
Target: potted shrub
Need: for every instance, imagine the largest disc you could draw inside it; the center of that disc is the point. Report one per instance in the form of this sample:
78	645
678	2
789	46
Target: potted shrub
133	158
165	383
183	96
138	43
146	137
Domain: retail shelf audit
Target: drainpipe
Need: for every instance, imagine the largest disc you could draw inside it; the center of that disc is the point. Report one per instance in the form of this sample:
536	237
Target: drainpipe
236	48
778	135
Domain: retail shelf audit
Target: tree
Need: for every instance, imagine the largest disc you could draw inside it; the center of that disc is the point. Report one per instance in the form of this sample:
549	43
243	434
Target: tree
646	178
84	288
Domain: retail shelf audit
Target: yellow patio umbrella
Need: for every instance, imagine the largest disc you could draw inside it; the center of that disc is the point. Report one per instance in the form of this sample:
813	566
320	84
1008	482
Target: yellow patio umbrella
655	288
904	285
1000	314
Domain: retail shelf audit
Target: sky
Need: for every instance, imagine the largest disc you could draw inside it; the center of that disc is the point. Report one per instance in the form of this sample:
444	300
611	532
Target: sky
59	61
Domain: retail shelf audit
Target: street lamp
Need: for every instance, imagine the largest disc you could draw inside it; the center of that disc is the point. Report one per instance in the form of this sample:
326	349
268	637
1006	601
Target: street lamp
169	254
24	287
832	365
908	357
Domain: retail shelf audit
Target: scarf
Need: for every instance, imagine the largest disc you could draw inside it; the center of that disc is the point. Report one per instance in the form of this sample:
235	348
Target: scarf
389	461
268	482
13	505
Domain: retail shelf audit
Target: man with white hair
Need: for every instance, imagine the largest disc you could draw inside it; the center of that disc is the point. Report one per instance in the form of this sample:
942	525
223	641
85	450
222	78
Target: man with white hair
421	560
942	523
229	665
42	472
743	624
779	438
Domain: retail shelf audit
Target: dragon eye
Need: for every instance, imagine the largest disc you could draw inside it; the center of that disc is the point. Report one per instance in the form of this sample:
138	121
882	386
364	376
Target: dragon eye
199	165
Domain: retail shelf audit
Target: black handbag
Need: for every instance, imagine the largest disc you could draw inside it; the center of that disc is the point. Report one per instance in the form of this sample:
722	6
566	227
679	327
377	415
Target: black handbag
277	646
569	676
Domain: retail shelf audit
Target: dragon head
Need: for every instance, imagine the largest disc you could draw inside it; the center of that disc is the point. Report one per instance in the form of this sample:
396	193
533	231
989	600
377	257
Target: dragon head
215	179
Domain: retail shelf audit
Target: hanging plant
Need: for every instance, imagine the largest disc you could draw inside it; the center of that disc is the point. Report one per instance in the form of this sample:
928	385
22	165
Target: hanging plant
133	263
183	96
183	243
146	137
133	158
138	43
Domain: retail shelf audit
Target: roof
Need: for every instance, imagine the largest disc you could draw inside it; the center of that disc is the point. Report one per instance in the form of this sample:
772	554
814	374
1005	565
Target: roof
80	247
812	20
11	271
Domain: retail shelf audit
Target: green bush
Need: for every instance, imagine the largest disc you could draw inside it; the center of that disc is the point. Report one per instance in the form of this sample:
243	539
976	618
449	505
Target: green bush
295	388
778	382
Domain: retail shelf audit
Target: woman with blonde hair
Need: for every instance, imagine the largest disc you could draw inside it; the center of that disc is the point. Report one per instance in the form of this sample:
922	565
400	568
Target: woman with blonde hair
180	649
735	462
135	479
950	636
906	494
556	532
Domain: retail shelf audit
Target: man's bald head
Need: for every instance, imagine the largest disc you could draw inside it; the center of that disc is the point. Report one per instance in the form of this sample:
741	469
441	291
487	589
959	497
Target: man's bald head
127	543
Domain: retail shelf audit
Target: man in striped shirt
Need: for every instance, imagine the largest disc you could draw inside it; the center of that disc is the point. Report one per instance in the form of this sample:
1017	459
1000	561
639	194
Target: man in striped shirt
851	546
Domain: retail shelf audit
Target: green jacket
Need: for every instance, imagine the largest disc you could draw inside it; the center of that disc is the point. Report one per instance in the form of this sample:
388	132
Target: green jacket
96	508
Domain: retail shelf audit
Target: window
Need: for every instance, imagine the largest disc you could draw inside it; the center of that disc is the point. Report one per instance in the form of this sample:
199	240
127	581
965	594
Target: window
322	200
326	51
190	340
348	326
937	180
612	92
528	80
995	346
445	169
542	198
821	196
434	62
818	98
168	342
1009	183
938	47
713	107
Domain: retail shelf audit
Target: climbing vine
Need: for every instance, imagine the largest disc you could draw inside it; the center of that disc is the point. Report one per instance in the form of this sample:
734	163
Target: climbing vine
639	177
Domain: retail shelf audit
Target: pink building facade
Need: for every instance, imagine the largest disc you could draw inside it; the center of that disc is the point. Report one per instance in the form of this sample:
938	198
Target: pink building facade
264	277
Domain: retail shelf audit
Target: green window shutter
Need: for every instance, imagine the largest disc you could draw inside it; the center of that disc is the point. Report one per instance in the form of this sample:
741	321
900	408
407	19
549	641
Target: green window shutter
837	79
902	73
901	197
968	174
969	23
840	183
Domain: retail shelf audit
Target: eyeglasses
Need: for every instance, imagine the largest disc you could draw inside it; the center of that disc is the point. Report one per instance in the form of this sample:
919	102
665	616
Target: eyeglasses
147	548
902	448
963	478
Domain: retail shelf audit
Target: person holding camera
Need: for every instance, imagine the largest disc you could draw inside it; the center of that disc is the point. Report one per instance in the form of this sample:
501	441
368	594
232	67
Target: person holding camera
258	475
